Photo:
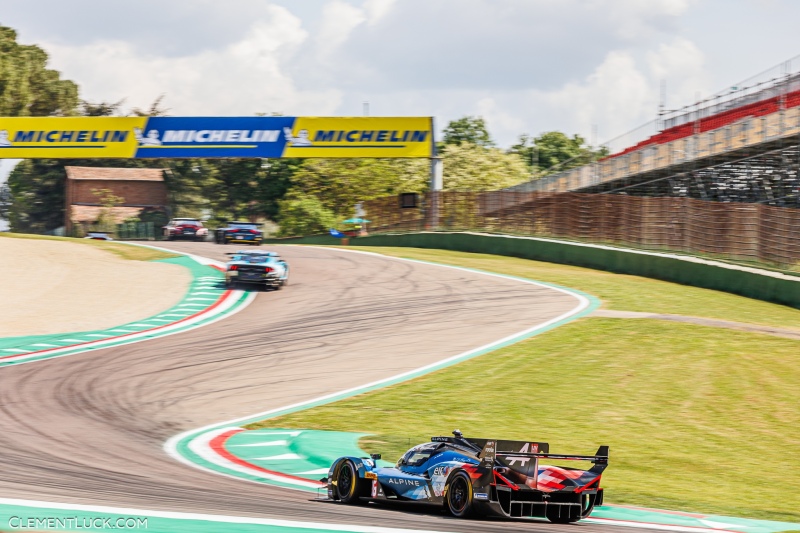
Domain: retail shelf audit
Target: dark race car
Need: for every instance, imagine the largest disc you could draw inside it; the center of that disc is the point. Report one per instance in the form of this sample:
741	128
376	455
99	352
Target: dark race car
240	232
258	268
476	477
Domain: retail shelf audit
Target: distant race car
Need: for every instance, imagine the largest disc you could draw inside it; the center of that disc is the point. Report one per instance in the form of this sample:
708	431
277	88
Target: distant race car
185	228
99	236
241	232
255	267
476	477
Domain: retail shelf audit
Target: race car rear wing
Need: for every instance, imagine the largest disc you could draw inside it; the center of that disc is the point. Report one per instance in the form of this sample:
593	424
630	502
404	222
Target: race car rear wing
504	450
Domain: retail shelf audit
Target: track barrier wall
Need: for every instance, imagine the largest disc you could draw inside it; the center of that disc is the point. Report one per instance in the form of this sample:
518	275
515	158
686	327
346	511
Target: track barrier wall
750	282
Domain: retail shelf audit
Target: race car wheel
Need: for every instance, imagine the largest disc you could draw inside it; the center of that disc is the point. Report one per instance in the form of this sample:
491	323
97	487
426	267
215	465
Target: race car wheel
348	485
459	495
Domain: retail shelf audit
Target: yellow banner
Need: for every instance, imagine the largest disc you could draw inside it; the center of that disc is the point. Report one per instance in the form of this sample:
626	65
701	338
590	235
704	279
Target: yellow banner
69	137
359	137
154	137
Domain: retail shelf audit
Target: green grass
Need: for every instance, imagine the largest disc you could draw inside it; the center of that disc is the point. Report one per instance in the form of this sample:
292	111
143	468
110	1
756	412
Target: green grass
697	419
618	291
124	251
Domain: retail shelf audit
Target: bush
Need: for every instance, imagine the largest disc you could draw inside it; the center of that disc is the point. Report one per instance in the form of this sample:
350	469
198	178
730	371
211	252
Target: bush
304	215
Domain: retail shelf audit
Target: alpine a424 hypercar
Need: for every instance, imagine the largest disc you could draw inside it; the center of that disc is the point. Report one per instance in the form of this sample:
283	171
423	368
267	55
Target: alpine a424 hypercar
256	267
476	477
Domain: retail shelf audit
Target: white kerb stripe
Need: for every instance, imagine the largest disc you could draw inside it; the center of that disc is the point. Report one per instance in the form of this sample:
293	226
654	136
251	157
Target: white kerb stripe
201	446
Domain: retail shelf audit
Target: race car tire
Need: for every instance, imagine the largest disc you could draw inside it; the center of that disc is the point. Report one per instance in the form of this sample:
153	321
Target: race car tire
349	486
459	495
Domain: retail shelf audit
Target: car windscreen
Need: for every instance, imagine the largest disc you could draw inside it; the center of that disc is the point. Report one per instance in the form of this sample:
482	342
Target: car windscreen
252	258
418	455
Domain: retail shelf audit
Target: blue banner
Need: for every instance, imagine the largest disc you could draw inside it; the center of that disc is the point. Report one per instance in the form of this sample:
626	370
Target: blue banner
213	137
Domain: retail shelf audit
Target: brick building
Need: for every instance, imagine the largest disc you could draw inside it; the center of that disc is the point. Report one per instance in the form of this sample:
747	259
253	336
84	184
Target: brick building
143	191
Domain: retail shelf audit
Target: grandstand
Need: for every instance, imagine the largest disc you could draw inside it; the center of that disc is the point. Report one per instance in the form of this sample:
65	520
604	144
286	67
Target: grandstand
739	145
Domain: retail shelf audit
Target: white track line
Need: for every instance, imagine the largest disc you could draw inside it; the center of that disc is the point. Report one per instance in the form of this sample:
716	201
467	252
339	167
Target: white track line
651	525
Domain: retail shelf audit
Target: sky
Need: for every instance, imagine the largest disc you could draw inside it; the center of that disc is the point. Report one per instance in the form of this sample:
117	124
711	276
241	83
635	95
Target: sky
591	67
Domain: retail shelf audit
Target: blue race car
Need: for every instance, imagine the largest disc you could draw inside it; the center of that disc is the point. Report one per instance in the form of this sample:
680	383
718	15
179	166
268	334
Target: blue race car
241	232
476	477
256	267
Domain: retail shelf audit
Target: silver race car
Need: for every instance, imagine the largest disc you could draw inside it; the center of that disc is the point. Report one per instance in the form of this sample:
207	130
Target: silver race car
259	268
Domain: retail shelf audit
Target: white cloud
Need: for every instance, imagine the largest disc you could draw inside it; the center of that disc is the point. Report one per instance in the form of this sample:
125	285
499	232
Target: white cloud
682	65
614	95
339	19
377	9
242	78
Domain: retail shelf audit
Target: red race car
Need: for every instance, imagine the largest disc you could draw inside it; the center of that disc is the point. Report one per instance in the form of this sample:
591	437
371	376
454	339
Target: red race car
185	228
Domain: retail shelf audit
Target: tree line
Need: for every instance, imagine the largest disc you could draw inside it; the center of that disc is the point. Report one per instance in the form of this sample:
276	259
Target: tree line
301	196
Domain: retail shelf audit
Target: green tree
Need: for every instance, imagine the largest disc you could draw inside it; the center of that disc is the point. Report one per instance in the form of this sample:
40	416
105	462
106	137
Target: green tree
302	214
274	182
341	183
468	167
34	196
555	151
236	188
27	87
471	130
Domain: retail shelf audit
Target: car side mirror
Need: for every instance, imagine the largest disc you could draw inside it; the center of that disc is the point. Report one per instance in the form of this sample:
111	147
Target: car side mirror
375	456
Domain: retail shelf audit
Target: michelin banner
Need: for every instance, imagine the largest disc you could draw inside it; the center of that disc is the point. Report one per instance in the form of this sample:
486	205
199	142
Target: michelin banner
205	137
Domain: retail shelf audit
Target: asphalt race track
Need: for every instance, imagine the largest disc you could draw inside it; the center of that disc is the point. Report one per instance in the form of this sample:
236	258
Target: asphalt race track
90	428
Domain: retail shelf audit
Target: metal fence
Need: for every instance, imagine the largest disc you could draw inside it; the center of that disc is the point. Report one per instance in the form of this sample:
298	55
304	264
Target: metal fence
736	231
127	231
137	231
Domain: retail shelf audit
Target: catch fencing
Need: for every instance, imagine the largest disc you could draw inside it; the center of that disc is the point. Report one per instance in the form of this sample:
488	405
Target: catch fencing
743	232
128	231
